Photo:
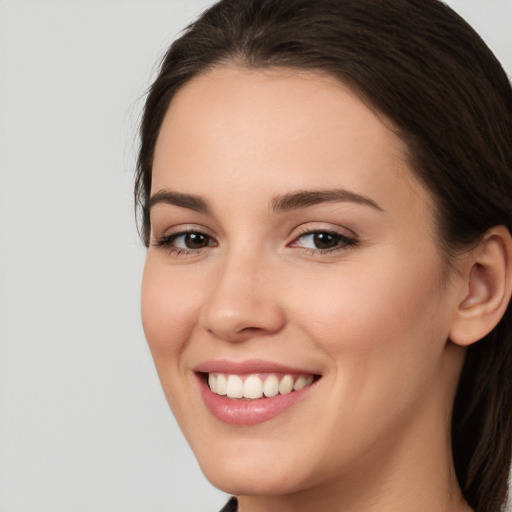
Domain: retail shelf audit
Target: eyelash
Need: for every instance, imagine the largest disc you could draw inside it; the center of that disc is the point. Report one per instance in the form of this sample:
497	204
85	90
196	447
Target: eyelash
167	241
343	242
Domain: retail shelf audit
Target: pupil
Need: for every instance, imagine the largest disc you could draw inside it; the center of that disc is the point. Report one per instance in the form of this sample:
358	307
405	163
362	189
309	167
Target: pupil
195	240
325	241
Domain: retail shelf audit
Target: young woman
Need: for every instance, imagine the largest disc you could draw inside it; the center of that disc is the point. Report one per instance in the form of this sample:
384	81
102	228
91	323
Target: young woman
326	198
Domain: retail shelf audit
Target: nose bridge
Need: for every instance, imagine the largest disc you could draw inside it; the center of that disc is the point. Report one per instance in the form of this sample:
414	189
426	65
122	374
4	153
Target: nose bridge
243	301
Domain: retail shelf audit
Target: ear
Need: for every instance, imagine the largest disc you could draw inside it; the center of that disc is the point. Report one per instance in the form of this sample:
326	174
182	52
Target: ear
487	277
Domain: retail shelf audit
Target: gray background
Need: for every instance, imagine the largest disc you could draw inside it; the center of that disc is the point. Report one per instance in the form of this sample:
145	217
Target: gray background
83	422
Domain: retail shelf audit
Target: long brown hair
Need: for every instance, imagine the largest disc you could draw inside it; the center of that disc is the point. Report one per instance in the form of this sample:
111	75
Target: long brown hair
428	72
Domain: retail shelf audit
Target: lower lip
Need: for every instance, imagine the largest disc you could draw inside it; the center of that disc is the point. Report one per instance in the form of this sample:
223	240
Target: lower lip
249	412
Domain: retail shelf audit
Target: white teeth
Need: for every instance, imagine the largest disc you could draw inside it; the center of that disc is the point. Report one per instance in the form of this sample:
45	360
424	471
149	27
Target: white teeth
286	385
221	384
299	383
212	381
253	387
235	387
271	386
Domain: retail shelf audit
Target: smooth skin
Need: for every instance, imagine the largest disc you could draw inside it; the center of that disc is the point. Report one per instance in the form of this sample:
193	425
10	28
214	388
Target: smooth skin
351	285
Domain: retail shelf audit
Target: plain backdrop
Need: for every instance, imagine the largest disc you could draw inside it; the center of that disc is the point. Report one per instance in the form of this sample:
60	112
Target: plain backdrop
83	423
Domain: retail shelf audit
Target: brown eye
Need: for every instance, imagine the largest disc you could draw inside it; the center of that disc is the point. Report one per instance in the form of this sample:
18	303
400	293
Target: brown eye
195	240
323	241
186	241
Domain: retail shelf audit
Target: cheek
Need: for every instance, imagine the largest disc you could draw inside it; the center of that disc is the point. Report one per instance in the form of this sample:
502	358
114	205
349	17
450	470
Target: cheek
384	332
169	315
379	316
168	308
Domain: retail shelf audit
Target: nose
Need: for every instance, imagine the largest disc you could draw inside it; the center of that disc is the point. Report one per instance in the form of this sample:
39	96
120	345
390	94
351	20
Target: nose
243	300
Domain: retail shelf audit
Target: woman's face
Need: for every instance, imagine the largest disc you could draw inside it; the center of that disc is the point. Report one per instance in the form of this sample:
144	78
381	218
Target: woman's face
292	246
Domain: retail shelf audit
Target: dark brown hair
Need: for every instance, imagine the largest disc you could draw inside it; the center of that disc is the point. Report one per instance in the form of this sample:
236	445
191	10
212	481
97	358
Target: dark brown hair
421	66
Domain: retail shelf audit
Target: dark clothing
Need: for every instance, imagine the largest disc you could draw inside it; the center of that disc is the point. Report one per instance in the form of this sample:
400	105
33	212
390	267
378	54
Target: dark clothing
231	505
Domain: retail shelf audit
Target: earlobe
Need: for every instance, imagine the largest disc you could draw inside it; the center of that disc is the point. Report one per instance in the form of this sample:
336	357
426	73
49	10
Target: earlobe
488	281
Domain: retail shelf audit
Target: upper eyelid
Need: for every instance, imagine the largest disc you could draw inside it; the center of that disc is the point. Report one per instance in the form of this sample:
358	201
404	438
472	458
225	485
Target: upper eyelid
329	231
348	238
180	229
318	227
301	230
166	242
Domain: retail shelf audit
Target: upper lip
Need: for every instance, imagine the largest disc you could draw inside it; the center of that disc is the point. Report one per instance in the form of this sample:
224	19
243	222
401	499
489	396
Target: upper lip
248	366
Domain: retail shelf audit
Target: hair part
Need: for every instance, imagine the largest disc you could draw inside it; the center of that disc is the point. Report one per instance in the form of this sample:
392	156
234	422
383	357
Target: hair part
423	68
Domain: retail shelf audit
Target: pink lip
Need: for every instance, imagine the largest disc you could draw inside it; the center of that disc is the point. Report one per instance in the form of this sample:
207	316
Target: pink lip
242	411
249	366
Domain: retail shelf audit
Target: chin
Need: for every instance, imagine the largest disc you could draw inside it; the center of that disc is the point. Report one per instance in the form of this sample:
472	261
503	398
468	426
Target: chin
258	466
253	479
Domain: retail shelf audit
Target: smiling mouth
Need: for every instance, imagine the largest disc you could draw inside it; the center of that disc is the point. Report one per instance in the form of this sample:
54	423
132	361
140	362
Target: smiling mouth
257	385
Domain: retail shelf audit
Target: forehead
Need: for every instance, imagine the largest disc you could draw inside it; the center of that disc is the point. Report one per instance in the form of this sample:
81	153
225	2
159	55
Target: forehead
275	129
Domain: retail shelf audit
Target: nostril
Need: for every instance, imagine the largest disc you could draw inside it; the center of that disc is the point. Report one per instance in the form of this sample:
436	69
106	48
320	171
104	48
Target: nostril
239	307
235	330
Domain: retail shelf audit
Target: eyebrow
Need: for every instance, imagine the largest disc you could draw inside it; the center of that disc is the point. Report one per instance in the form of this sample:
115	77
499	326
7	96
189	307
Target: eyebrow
305	198
281	203
192	202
